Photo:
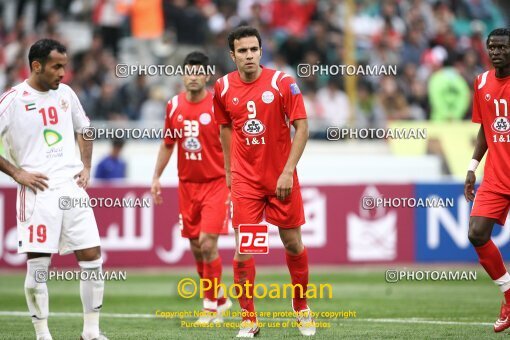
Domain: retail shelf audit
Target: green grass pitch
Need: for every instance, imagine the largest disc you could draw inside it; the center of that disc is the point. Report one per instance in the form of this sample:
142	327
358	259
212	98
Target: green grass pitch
404	310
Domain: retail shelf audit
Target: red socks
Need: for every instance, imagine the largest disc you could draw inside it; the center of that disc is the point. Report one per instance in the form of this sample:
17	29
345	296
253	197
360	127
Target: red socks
507	296
245	272
298	268
200	268
212	272
491	260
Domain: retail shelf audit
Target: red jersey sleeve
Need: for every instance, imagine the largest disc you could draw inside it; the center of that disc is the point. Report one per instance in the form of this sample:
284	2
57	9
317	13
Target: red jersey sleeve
476	116
168	125
220	88
292	98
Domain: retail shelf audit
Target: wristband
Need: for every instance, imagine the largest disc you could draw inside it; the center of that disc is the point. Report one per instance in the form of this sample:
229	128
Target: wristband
473	165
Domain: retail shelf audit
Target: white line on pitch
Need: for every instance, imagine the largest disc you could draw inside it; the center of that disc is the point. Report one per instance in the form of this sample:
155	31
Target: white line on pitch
423	321
153	316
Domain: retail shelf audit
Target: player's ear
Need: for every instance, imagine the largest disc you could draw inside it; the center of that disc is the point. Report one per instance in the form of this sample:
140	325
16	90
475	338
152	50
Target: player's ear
233	56
36	66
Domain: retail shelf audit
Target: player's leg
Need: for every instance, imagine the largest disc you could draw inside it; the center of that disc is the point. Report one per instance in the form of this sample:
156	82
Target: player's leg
189	219
39	223
91	290
244	278
288	215
36	292
245	211
212	269
297	261
197	255
490	208
189	222
214	196
81	236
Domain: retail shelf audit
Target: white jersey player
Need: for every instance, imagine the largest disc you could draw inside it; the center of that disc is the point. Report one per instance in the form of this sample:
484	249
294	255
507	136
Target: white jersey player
38	121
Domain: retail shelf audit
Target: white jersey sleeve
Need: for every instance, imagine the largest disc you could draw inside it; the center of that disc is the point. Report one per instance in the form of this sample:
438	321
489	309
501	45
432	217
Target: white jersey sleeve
6	107
80	119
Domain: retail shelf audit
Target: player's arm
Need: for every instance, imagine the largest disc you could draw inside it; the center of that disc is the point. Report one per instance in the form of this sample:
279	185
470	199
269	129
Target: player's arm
85	147
285	181
33	180
295	110
165	152
80	123
225	122
480	150
164	155
480	147
226	141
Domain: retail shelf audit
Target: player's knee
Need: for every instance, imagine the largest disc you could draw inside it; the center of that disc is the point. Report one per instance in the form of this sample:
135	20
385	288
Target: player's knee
293	246
37	272
207	247
242	257
476	236
89	255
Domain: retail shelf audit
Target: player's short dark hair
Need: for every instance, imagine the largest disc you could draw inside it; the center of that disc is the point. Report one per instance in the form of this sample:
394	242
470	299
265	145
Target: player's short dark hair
41	49
499	32
196	58
243	32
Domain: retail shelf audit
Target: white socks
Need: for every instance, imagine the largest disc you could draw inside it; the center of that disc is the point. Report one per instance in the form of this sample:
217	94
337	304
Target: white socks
91	292
503	282
36	294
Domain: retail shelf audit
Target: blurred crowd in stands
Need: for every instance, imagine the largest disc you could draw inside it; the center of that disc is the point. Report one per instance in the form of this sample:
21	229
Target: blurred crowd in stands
438	47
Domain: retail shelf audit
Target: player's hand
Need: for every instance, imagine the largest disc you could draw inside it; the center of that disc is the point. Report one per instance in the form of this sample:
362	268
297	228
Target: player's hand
33	180
469	186
83	178
284	185
228	177
156	191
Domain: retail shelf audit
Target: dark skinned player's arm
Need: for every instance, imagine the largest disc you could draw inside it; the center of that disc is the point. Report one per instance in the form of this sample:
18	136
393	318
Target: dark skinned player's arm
480	150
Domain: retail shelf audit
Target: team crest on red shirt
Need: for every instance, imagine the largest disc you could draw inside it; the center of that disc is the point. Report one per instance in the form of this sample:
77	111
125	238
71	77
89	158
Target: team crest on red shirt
487	97
267	97
205	118
235	100
253	127
501	125
179	118
191	144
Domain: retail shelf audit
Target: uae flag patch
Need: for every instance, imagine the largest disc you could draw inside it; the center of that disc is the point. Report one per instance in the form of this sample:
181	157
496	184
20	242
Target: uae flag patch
30	107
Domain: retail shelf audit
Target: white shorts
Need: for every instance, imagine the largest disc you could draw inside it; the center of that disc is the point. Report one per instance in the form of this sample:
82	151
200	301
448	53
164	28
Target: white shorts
45	227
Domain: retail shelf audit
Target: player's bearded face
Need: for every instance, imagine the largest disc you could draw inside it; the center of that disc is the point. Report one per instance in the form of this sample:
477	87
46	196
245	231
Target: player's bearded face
51	73
499	51
194	80
247	54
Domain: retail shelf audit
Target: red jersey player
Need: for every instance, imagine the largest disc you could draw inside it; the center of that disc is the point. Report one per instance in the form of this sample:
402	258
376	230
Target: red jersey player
255	107
203	193
490	109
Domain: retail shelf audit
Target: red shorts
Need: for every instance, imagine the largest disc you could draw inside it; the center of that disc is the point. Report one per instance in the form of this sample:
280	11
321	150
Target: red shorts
203	207
249	208
491	204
